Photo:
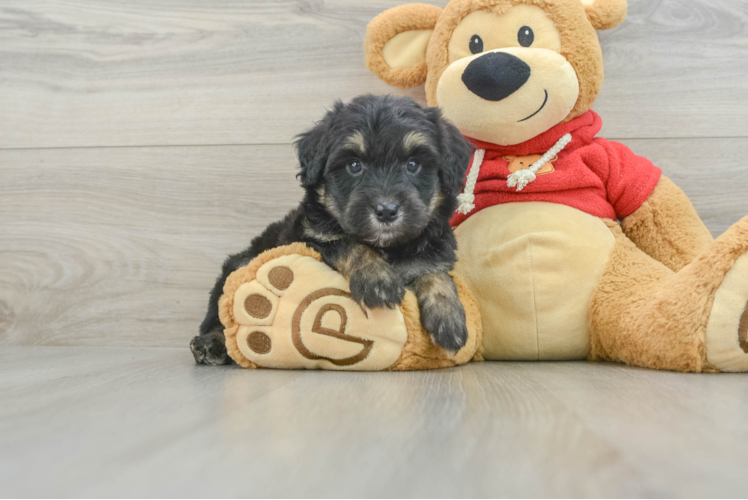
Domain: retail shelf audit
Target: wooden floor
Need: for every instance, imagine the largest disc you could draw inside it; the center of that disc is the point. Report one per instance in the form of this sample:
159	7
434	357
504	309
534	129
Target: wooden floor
141	141
92	422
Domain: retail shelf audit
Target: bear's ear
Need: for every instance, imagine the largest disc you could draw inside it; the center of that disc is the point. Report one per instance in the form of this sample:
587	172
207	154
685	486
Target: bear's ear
396	41
605	14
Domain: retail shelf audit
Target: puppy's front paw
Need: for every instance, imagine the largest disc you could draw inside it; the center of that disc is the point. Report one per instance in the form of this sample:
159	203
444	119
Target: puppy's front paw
446	324
210	349
377	287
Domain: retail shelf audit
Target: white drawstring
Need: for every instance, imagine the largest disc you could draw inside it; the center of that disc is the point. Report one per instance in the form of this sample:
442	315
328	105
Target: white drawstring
522	178
467	198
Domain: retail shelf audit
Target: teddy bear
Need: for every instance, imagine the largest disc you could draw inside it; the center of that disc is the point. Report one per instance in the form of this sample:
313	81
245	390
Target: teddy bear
573	246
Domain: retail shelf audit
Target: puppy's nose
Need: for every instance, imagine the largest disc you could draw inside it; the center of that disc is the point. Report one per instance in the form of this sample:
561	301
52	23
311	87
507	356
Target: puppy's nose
387	212
496	75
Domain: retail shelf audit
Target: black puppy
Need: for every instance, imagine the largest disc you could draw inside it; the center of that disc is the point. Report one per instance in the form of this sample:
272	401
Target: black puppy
382	175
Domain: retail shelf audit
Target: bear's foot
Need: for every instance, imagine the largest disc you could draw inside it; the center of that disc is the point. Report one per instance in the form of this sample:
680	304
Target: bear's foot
695	320
299	313
727	328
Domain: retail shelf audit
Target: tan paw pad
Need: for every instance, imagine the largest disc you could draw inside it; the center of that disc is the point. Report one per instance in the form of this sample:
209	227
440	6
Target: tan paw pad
727	329
298	313
254	304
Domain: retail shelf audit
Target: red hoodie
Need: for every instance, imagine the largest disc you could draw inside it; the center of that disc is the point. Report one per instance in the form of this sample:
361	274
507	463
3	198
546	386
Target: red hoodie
594	175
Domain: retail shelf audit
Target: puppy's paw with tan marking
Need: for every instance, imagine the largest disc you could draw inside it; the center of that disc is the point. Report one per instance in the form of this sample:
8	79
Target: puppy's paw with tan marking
442	313
377	286
446	325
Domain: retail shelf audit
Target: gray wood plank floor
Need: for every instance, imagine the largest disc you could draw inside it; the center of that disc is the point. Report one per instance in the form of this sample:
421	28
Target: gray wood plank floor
124	422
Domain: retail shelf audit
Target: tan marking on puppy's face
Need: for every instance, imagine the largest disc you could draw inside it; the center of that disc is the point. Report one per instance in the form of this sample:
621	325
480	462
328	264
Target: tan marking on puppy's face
435	201
507	81
414	139
356	142
328	202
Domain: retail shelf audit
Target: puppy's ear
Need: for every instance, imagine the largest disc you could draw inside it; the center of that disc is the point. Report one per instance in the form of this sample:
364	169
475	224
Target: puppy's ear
455	151
313	148
396	41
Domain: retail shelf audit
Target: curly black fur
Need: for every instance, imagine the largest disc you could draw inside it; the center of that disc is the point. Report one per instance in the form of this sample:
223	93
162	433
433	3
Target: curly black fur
411	160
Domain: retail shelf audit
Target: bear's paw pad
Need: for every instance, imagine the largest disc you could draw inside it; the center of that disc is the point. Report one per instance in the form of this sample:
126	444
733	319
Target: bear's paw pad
727	328
297	312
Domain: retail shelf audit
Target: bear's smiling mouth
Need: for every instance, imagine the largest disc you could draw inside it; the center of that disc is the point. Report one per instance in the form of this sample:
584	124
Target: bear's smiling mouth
538	111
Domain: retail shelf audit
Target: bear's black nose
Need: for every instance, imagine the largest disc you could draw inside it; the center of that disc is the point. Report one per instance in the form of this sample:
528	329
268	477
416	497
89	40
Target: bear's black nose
496	75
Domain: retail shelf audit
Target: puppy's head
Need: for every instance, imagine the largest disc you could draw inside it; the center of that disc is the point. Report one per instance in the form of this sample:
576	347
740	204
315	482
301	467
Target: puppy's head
383	167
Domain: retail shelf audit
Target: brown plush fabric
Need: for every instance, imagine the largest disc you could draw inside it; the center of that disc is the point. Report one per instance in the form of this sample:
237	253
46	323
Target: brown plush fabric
667	228
579	43
646	315
386	26
605	14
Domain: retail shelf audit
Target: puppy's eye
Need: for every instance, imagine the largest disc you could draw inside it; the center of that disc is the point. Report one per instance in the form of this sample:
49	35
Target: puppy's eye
525	37
413	167
354	167
476	44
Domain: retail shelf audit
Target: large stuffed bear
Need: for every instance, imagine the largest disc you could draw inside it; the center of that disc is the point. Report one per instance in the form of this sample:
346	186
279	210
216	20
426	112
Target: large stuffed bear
573	246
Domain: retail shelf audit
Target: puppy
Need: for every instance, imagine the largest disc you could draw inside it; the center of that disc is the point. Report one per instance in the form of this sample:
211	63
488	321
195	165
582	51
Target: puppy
381	175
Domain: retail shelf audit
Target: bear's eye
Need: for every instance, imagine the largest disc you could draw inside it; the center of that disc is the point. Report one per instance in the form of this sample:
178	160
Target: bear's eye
413	167
525	37
354	167
476	44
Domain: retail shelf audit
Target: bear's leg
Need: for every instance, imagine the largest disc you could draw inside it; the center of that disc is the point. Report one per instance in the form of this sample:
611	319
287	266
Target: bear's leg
695	320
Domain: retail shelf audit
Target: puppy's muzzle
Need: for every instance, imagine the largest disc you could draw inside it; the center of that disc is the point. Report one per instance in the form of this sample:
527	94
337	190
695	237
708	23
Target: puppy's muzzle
496	75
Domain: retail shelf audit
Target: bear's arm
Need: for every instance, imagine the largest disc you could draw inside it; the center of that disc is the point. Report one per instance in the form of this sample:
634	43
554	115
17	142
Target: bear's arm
667	227
655	214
